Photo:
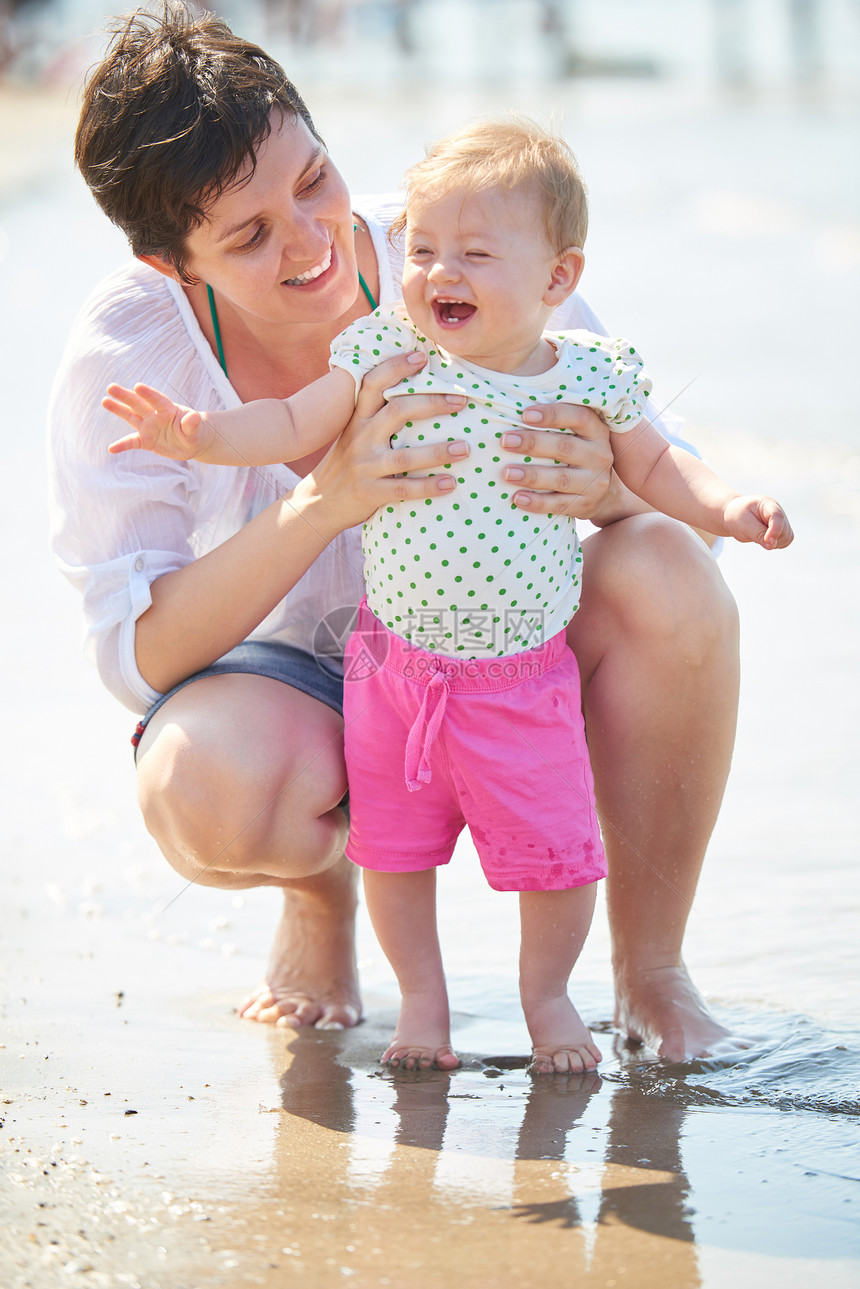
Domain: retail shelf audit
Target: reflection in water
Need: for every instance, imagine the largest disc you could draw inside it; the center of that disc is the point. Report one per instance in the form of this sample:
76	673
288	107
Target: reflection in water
645	1132
316	1086
639	1183
540	1151
553	1107
421	1108
486	1170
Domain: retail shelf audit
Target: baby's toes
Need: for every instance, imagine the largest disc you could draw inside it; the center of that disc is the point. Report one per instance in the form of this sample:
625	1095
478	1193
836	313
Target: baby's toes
565	1060
420	1058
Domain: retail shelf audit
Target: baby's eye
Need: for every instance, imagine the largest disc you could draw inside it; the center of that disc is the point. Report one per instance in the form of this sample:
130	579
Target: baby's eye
417	252
478	255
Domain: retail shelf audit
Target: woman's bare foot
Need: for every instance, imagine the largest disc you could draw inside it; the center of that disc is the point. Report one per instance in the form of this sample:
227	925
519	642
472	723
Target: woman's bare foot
562	1042
312	978
662	1008
422	1039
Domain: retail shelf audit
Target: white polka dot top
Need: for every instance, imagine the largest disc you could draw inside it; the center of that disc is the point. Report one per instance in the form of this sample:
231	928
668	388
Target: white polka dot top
468	574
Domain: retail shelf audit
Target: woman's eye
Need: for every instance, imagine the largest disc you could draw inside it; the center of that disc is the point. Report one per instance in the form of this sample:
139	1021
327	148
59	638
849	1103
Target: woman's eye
315	180
253	241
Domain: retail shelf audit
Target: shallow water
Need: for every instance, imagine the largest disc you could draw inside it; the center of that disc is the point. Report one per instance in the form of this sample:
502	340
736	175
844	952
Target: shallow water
714	245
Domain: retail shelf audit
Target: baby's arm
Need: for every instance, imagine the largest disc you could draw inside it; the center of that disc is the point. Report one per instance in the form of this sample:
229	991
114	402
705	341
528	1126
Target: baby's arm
263	432
677	483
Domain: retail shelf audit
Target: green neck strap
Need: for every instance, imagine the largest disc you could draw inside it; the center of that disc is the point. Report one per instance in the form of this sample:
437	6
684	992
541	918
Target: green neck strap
216	327
366	289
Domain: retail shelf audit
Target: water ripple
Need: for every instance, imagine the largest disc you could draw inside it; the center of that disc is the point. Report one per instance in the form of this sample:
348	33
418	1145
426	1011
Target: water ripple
797	1067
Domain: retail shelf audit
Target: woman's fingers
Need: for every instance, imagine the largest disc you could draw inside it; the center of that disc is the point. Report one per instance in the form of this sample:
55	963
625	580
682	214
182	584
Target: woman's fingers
404	487
575	489
554	503
389	416
404	460
580	475
370	395
584	422
571	479
394	415
571	448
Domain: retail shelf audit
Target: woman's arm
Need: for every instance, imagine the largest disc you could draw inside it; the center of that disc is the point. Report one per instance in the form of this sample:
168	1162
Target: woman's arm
202	610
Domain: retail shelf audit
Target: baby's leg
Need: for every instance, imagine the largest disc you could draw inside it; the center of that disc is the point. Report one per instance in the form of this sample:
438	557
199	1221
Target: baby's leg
402	908
554	925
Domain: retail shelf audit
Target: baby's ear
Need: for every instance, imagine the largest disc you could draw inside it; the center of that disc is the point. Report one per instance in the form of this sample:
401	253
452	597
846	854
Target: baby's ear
566	272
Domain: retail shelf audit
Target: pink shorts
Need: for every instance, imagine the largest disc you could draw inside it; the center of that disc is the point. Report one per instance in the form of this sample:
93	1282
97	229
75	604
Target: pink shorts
433	743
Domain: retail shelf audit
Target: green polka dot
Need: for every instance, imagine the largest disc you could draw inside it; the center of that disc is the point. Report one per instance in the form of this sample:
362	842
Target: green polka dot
460	579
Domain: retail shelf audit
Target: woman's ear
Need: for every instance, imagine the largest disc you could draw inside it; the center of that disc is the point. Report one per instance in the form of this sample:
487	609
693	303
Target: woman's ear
566	272
160	264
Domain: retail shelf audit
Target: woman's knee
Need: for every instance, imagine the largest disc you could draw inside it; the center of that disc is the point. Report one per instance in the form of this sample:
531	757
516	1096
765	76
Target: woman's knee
236	801
651	579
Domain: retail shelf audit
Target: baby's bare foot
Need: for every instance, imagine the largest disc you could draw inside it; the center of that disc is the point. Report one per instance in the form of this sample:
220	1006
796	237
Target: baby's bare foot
312	977
562	1042
422	1039
662	1008
408	1056
564	1060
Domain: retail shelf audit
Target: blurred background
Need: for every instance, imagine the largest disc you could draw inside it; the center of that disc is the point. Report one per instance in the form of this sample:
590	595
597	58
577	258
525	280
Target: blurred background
734	42
719	140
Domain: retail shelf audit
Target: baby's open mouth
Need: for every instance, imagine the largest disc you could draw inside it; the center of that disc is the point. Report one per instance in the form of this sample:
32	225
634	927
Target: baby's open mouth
450	313
310	275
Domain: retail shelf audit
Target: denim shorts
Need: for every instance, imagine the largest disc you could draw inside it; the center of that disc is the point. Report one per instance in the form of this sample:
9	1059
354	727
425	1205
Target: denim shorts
313	675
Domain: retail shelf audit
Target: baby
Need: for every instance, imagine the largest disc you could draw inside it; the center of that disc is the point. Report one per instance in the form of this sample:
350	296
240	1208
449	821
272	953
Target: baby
462	698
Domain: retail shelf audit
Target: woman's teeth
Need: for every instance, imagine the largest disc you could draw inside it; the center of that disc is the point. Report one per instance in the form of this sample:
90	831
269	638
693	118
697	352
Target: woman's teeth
310	274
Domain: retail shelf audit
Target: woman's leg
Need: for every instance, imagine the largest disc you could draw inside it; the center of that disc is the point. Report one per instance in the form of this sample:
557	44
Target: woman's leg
402	908
239	779
657	644
554	925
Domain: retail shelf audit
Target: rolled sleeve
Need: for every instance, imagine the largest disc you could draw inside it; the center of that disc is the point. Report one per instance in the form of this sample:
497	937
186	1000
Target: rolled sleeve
115	595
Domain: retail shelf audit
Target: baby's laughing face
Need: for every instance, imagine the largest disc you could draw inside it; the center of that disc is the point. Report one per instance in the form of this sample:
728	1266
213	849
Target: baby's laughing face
480	278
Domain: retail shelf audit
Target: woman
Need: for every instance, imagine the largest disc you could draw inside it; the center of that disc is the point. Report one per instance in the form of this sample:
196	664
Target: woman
250	260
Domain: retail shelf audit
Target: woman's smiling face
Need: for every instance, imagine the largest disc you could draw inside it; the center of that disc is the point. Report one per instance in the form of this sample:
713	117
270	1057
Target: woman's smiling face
279	246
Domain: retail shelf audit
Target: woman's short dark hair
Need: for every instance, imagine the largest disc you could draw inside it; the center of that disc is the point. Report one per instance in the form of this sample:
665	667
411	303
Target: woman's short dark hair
172	115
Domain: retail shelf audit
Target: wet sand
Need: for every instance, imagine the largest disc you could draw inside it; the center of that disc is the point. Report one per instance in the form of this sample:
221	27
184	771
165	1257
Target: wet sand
151	1139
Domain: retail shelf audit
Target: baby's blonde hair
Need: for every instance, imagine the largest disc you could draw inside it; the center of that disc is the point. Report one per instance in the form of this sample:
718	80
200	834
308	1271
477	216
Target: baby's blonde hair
507	152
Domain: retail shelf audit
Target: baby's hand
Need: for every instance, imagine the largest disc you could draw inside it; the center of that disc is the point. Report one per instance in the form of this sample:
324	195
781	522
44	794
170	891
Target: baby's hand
159	424
758	519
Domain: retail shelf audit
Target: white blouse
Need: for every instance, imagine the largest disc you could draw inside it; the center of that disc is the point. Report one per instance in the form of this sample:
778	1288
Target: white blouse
118	523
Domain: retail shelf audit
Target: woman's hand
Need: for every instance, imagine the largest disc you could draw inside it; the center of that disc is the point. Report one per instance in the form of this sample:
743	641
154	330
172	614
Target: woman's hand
362	471
579	477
